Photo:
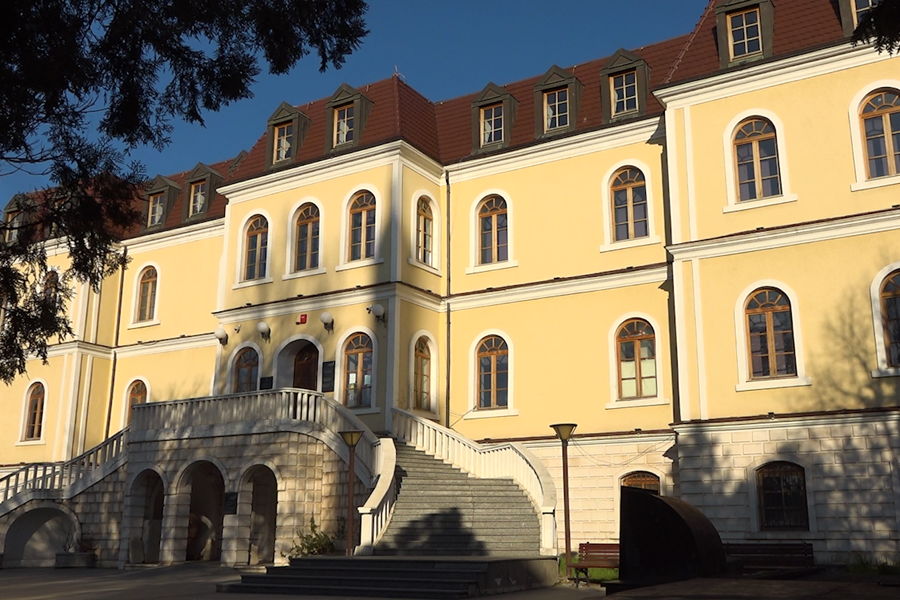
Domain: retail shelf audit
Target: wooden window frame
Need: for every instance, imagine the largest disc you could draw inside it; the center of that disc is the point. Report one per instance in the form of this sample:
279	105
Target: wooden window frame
343	115
643	480
308	248
635	340
893	278
499	208
137	394
34	417
363	204
242	364
494	117
891	138
769	309
359	345
285	116
14	220
781	470
857	11
157	199
614	87
146	301
491	347
629	185
754	139
51	286
258	229
548	128
424	232
556	80
744	27
422	375
283	131
199	189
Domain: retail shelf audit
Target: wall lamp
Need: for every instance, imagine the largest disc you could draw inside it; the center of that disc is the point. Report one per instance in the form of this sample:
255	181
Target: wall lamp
377	311
262	328
221	335
327	321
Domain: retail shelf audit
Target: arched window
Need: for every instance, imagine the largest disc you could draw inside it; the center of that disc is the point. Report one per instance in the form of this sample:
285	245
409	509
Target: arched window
257	247
137	394
362	227
358	371
422	375
629	198
770	334
34	418
636	345
51	286
493	373
781	488
880	116
307	255
424	231
756	160
246	371
493	231
890	315
642	480
146	307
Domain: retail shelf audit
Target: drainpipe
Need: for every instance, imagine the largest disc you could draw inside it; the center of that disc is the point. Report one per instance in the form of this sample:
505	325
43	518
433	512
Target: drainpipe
447	358
112	379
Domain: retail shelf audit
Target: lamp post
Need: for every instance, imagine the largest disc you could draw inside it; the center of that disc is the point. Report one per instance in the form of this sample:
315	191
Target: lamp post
564	431
351	438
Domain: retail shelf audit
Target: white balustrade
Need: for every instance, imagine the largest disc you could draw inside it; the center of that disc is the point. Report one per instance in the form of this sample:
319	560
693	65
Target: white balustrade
376	513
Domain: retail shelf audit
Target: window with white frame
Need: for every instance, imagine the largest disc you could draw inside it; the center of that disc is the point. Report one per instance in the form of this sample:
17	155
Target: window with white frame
358	371
493	231
424	232
636	351
492	360
146	301
361	241
628	192
34	416
422	375
880	117
306	254
256	248
137	394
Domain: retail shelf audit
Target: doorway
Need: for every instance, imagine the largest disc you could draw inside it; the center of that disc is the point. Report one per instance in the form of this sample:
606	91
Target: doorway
306	368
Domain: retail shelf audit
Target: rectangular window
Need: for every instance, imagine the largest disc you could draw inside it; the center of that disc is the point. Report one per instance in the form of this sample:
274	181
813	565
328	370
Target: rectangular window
13	222
198	198
284	142
155	213
744	33
492	124
343	125
556	109
860	8
624	92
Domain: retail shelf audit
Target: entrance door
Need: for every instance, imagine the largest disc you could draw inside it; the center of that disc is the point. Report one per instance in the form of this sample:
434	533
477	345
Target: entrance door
306	368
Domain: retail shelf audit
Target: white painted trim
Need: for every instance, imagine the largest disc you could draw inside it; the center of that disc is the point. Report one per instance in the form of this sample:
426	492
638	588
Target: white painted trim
170	345
635	243
81	309
613	354
339	369
681	349
731	192
856	136
396	224
672	154
435	232
393	349
741	347
229	384
67	434
344	261
638	403
698	334
432	375
609	237
136	293
78	442
178	237
878	321
76	347
689	167
239	263
474	235
471	411
753	491
127	392
295	305
277	374
223	260
23	419
750	204
291	239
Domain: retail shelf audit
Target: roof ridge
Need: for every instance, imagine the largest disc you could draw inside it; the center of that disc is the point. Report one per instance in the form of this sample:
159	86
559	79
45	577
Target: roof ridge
690	40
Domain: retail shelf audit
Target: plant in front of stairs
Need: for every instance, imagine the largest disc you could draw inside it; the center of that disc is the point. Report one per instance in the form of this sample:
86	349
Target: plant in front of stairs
79	553
314	543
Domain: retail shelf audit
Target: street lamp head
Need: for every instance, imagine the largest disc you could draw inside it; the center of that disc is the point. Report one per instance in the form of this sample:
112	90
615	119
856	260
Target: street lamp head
351	438
564	430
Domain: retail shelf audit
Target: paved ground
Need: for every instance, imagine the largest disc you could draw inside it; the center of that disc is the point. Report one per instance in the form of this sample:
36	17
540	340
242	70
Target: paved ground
197	582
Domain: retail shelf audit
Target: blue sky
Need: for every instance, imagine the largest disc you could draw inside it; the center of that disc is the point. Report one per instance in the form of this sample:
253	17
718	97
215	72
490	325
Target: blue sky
443	48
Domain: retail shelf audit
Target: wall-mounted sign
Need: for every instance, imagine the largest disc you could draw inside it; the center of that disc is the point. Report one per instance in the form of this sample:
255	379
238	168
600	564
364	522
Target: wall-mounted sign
328	376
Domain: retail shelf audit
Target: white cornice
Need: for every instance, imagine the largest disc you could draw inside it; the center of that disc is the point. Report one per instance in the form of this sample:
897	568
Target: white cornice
206	340
299	305
182	235
323	170
787	70
78	347
785	421
789	236
639	132
629	437
553	289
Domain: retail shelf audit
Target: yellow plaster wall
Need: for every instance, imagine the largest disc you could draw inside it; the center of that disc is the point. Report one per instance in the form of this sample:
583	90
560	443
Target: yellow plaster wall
97	383
416	319
414	185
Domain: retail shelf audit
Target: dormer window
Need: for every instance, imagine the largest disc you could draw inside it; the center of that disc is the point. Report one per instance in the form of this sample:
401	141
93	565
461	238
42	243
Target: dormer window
556	109
343	125
492	125
556	99
161	196
156	210
286	129
860	8
493	114
284	141
201	184
624	93
624	85
198	197
745	29
14	222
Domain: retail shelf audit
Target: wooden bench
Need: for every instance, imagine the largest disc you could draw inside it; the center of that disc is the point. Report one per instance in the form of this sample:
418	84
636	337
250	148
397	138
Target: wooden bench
774	555
595	556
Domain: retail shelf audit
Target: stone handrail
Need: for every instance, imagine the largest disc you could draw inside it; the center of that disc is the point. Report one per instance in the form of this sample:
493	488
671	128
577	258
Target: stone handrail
59	475
375	514
252	407
499	460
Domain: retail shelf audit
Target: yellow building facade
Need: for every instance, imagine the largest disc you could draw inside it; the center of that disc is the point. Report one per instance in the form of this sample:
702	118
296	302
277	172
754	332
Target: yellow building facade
691	250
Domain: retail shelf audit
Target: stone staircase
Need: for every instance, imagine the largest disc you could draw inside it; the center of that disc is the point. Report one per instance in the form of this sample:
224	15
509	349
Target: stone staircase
441	511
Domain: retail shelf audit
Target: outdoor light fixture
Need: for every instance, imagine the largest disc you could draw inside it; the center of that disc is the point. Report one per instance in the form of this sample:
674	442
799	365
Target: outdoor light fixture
351	438
263	329
564	431
327	320
221	335
238	328
377	311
